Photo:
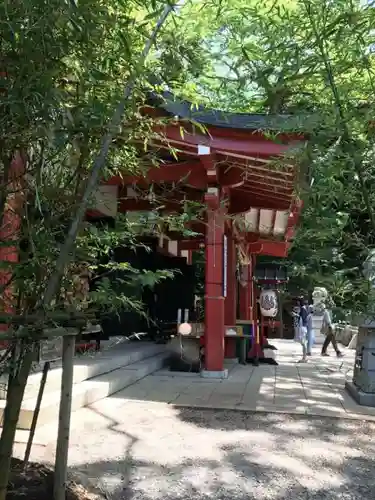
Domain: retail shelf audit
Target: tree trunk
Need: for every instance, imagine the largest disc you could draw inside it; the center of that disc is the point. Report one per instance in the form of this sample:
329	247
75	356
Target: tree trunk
12	410
61	463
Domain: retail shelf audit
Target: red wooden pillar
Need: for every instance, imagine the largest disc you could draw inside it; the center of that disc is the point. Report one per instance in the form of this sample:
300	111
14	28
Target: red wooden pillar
190	257
256	348
230	306
214	300
9	231
254	291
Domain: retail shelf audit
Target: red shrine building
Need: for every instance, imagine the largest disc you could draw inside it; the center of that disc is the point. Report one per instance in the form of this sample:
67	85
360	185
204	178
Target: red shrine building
245	181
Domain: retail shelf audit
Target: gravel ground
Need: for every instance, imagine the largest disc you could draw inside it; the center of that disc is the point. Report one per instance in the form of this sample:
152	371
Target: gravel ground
152	451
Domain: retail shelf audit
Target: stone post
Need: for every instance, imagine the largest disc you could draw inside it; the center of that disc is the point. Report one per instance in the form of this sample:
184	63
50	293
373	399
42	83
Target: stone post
319	297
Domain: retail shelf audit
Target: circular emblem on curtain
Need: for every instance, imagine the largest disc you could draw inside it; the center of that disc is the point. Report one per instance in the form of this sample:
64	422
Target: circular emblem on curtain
268	303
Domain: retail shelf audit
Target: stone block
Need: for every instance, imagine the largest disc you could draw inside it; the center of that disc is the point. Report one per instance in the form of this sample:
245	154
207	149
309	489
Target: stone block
223	374
362	398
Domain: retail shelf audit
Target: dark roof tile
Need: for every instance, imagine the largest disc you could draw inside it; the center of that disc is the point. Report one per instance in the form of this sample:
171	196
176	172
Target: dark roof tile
245	121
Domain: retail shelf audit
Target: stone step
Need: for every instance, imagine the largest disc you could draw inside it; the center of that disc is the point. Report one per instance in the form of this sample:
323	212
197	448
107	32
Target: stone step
94	388
90	365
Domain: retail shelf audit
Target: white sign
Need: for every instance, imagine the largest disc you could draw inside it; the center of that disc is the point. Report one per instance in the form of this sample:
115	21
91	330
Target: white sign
225	265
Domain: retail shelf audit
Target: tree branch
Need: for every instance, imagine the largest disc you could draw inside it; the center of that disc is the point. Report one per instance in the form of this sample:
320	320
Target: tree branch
348	140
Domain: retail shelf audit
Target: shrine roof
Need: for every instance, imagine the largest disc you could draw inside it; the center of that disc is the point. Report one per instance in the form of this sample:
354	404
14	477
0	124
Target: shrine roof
240	121
235	154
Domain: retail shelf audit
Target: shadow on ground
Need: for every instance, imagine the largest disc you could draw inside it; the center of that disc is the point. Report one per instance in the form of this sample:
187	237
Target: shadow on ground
224	455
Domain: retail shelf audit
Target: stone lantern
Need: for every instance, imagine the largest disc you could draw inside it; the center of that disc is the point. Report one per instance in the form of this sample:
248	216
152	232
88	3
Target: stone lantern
362	387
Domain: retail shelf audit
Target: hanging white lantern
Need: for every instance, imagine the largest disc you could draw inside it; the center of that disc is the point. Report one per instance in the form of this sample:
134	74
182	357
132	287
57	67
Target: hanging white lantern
268	303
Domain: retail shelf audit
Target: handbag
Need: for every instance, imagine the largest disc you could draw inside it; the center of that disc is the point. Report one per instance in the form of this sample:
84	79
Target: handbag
302	334
324	330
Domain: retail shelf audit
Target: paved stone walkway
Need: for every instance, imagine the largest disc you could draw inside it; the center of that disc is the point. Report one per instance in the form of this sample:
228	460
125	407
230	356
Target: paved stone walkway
314	388
148	442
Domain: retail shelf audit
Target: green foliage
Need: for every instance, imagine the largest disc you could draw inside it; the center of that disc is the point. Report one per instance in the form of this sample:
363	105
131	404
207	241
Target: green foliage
313	59
65	65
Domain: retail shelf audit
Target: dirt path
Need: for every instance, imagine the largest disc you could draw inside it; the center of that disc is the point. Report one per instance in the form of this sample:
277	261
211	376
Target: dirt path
152	451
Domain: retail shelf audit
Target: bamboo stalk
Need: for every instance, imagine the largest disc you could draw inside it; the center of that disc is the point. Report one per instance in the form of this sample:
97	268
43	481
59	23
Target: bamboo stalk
98	164
62	446
36	413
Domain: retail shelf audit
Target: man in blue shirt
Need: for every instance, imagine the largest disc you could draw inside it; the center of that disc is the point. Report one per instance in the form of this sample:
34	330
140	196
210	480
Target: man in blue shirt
303	312
303	321
295	315
310	331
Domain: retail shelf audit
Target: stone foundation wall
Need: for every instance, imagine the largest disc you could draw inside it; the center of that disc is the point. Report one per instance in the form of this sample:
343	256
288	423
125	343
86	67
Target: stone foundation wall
346	335
317	325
